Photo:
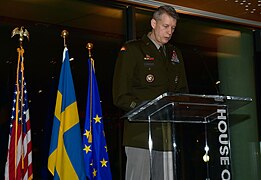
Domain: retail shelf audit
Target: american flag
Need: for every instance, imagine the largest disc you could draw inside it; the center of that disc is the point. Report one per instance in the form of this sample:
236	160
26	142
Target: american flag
19	158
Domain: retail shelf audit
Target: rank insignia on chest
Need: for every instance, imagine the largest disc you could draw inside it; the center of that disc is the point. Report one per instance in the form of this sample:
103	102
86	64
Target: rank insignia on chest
174	57
150	78
148	58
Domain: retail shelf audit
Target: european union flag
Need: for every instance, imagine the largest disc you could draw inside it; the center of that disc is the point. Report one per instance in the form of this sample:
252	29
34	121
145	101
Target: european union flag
65	156
97	166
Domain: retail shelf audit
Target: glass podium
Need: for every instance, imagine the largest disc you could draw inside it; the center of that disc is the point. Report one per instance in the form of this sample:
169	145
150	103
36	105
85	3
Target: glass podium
198	128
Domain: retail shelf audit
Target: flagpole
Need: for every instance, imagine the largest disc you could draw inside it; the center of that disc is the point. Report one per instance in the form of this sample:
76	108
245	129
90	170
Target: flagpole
21	52
89	46
21	32
16	108
64	34
96	157
65	159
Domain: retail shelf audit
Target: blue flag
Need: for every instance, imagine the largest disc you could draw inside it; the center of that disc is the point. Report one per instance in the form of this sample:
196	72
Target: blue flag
97	166
65	155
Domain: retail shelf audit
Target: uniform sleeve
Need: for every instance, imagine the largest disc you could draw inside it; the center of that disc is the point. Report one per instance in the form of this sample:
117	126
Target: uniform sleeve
122	79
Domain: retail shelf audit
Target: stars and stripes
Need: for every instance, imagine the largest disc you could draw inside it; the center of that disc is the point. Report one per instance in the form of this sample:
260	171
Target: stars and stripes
19	158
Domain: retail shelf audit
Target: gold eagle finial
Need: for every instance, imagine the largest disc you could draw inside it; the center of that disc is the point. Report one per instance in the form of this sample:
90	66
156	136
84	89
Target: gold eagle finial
22	32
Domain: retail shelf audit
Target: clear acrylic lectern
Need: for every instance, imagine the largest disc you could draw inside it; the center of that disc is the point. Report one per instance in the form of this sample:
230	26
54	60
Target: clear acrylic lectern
199	133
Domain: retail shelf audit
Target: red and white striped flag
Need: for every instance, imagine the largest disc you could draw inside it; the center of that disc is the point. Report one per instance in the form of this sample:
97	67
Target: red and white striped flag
19	158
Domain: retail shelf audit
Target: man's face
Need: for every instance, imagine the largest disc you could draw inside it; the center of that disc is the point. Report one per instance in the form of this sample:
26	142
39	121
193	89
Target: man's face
163	28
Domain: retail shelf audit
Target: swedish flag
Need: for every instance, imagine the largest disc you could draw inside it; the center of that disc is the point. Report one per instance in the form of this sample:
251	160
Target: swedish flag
97	166
65	155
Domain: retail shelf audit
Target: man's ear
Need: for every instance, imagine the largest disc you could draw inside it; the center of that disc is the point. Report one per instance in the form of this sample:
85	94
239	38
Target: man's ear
153	23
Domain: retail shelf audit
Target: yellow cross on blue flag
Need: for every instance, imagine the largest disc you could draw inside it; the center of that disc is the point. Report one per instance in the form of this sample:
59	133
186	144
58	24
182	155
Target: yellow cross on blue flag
97	165
65	155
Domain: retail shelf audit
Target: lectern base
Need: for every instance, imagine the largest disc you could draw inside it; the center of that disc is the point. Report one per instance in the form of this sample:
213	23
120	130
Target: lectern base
138	164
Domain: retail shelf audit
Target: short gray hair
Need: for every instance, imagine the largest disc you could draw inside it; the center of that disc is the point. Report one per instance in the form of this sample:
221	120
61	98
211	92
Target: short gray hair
169	10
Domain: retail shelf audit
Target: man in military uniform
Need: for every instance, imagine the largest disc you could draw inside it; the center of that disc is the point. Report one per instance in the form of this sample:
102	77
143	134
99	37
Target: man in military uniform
145	69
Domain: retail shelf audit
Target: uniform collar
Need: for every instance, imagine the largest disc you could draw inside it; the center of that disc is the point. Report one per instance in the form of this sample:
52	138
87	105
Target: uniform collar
154	42
148	41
